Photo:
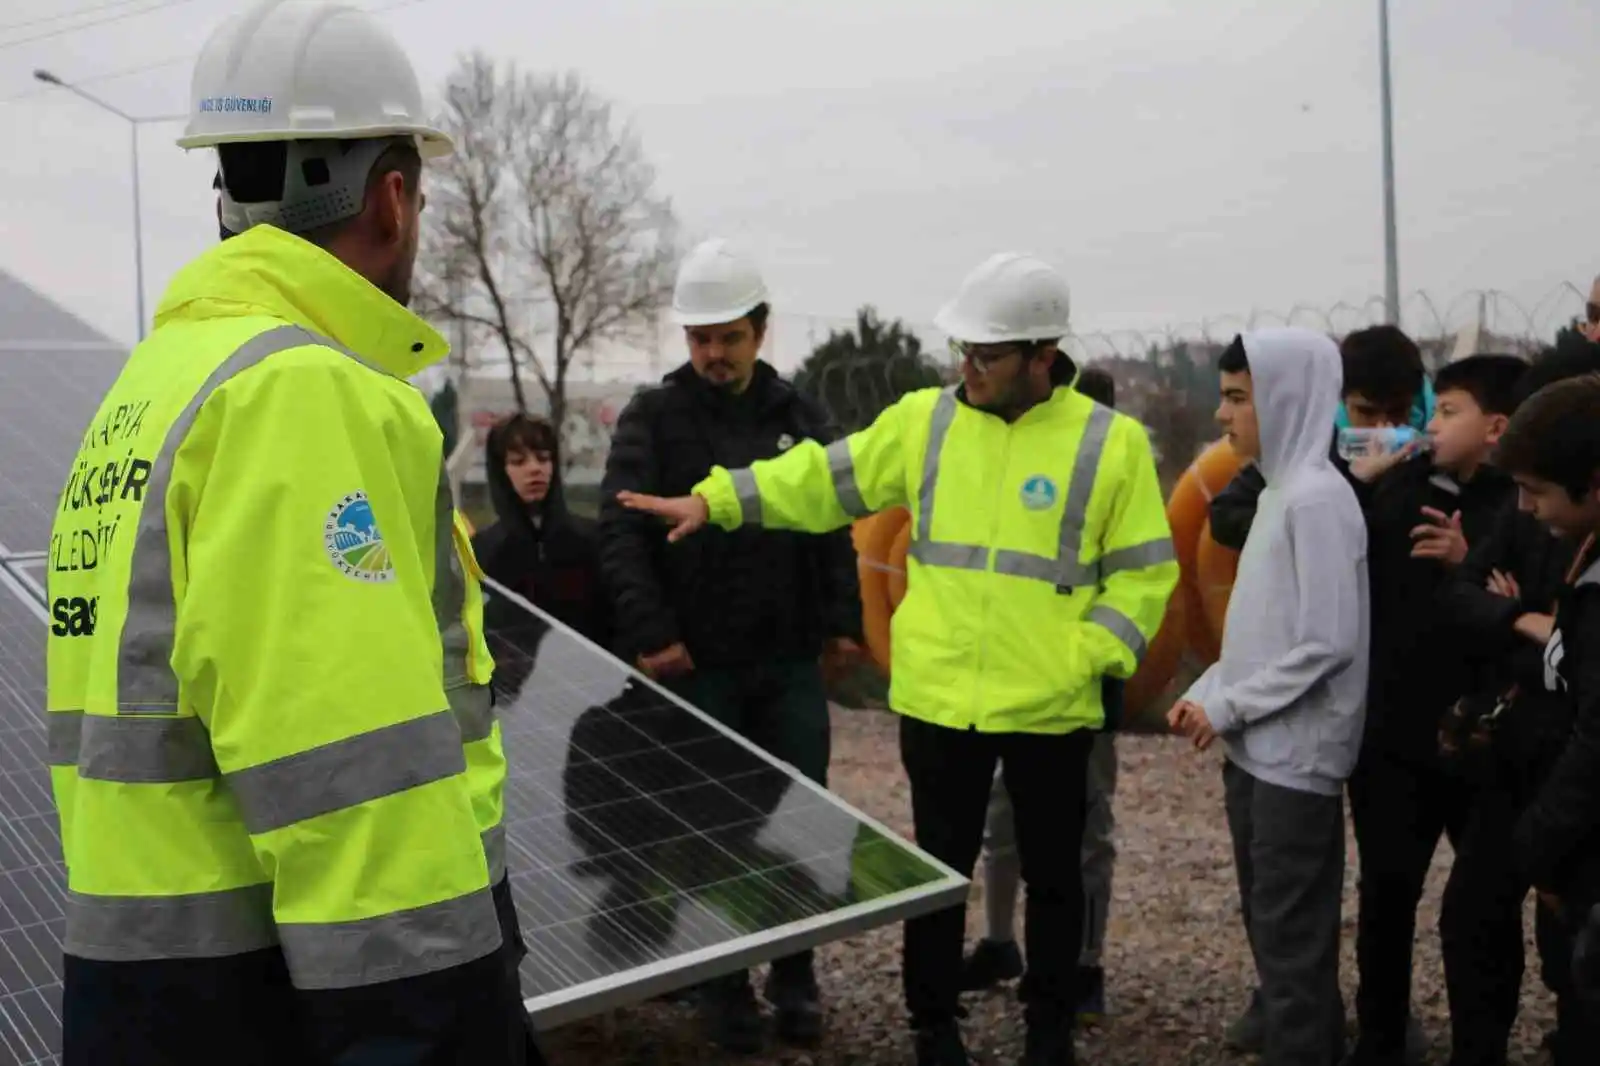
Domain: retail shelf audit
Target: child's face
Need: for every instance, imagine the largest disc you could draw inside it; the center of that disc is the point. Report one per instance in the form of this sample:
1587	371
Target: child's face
530	473
1237	415
1366	413
1460	433
1556	509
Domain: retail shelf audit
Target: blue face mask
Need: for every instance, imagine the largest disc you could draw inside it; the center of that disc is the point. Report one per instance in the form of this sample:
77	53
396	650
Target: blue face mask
1421	411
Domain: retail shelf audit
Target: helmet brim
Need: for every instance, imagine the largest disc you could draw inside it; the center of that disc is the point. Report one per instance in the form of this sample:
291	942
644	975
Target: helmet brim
431	143
717	317
950	322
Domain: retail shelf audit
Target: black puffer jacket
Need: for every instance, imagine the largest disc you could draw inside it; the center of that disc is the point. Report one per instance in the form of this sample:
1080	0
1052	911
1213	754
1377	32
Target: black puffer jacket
547	555
1417	668
1558	837
1531	733
731	598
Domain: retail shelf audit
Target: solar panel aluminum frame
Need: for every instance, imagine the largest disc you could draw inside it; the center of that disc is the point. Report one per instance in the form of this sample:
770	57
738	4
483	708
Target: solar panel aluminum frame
636	985
16	571
15	578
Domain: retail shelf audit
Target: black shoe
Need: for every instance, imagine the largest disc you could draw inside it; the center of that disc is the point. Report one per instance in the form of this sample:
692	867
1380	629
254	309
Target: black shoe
1247	1032
798	1006
1366	1055
991	962
1049	1043
940	1045
1091	995
729	1013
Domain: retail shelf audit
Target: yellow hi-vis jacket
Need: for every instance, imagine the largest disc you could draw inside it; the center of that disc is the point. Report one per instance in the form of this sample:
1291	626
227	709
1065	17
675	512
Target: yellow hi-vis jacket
270	721
1040	557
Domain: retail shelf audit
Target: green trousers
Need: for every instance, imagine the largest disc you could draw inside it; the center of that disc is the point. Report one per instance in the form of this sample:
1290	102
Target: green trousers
780	706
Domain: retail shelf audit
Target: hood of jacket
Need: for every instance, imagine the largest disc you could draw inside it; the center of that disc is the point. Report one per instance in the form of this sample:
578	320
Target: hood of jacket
268	272
514	516
1295	377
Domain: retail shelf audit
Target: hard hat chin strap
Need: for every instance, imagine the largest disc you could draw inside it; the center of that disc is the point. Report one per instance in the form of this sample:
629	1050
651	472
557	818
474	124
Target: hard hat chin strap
324	182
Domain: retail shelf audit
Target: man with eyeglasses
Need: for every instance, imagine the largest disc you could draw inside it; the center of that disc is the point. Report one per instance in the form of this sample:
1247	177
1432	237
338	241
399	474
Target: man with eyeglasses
1041	562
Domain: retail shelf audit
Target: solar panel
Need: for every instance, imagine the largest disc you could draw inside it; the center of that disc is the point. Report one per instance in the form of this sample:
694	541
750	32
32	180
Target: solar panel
32	879
650	848
48	396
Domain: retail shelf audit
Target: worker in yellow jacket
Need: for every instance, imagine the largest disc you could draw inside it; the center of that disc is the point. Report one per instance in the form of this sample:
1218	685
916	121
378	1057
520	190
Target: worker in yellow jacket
272	743
1040	562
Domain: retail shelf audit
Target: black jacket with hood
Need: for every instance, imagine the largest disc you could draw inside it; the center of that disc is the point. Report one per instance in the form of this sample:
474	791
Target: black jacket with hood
1558	836
1418	669
732	598
546	554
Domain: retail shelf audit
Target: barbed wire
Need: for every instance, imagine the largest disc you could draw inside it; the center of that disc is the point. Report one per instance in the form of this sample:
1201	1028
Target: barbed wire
856	388
1427	317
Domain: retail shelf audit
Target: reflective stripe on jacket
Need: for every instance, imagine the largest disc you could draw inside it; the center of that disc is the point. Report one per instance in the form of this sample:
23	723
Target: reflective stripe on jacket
270	720
1040	558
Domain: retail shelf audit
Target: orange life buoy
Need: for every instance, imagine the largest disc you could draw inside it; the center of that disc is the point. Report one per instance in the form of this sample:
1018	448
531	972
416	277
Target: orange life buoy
1215	569
875	538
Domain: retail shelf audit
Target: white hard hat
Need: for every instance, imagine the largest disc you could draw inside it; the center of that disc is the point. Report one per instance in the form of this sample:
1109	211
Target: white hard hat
290	70
1009	297
716	283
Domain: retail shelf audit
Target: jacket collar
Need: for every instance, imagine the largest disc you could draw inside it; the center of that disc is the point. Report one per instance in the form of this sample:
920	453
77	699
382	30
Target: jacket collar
267	271
767	388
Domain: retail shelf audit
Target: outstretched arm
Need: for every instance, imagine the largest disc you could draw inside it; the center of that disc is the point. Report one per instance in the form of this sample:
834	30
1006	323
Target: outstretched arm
812	488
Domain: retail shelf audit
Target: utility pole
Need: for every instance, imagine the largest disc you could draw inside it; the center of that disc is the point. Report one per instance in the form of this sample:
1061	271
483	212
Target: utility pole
1391	250
134	122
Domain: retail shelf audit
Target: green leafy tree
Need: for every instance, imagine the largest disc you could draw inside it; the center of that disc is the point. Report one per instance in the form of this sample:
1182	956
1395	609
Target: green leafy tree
857	373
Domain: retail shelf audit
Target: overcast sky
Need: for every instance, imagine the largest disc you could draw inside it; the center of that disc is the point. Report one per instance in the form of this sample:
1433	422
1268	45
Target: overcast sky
1178	159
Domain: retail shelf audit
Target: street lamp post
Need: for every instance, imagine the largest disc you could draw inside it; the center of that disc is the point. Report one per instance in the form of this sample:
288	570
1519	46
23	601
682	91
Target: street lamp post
134	122
1391	250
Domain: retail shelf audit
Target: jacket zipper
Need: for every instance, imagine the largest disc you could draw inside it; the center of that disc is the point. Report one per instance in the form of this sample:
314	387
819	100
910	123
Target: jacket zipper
983	599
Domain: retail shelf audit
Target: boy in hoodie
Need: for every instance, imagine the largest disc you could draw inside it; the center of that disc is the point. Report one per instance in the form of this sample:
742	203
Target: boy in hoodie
537	548
1383	385
1421	516
1286	695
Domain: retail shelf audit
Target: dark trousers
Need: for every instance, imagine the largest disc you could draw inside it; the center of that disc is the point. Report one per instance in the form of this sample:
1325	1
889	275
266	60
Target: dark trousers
1288	848
951	773
1400	807
1480	933
1577	1041
243	1011
781	707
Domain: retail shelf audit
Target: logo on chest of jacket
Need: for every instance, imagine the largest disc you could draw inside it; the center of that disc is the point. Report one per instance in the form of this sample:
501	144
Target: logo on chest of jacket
352	540
785	442
1038	493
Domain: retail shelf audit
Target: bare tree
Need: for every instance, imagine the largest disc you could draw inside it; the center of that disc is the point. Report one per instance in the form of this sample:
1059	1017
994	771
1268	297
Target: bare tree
544	225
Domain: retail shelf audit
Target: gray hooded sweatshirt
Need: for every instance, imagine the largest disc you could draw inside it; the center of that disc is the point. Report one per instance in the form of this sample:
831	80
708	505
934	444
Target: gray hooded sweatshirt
1287	696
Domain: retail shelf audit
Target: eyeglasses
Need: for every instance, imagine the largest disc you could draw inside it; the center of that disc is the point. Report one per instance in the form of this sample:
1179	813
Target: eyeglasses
985	357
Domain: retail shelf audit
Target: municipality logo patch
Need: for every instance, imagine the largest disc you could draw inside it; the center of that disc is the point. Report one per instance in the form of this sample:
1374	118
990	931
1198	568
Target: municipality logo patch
352	540
1038	493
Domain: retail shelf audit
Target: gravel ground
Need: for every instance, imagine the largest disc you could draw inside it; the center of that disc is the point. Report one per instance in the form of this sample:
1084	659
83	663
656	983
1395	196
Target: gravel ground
1177	965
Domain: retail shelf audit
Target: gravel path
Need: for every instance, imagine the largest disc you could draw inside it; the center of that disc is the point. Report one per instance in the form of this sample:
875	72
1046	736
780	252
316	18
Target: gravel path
1177	964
